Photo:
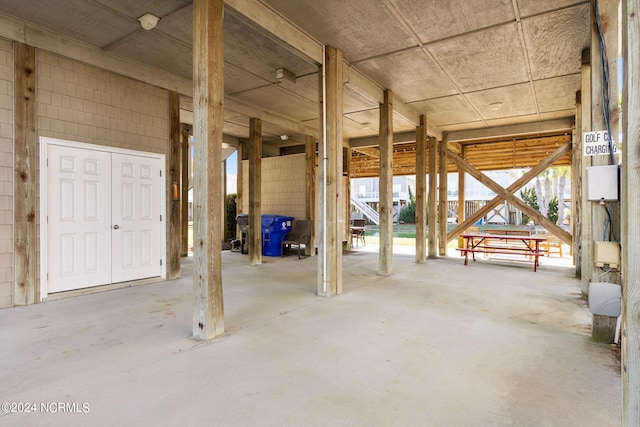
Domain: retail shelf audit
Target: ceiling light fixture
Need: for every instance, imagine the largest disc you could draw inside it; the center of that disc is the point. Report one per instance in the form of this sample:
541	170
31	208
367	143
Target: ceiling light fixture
284	137
495	106
148	21
284	74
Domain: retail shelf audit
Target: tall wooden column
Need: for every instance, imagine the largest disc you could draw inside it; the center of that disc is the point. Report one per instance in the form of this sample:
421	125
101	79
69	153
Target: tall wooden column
421	191
576	187
239	183
208	119
385	255
174	238
461	199
603	327
27	290
185	131
330	175
310	182
432	202
254	235
630	216
585	249
443	208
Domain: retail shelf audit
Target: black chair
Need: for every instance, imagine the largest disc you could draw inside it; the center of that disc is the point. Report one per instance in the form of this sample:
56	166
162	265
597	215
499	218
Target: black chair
299	236
357	231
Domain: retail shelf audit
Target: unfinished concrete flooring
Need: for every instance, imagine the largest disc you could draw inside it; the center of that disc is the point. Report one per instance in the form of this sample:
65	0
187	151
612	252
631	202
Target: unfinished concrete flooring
435	344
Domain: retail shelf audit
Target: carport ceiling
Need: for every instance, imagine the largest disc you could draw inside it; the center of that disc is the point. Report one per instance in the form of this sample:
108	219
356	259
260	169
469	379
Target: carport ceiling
465	64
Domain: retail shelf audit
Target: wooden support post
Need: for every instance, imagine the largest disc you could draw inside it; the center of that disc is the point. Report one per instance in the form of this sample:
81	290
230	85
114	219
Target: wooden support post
345	200
461	199
443	208
240	184
185	131
630	216
254	235
585	247
208	119
421	191
310	182
432	207
26	290
173	185
223	203
385	254
576	187
330	174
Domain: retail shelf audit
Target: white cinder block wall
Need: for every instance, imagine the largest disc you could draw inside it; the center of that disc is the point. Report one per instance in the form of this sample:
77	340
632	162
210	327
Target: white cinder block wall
283	186
78	102
6	173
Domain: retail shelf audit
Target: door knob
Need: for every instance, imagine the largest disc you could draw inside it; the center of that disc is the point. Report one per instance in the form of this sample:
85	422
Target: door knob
115	227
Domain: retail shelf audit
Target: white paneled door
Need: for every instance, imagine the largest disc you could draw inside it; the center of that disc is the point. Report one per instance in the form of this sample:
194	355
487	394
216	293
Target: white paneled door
104	219
136	211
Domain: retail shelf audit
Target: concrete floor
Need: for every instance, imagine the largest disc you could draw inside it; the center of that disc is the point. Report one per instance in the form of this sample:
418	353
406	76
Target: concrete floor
437	344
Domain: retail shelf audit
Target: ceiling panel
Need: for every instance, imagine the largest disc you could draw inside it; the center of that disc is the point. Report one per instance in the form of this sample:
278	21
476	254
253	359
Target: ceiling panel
510	101
179	24
482	60
435	19
304	86
411	75
555	41
400	124
78	19
278	101
529	8
154	48
557	93
353	101
448	110
136	9
249	48
360	28
237	80
365	122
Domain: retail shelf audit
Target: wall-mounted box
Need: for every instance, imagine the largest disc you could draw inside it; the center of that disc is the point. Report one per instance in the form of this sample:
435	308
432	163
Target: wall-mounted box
605	299
603	183
606	253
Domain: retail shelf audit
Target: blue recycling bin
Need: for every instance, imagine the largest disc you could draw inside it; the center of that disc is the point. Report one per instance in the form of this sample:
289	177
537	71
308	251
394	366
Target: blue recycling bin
274	228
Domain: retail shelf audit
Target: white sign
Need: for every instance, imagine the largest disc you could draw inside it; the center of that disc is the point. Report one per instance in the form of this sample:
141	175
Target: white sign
597	143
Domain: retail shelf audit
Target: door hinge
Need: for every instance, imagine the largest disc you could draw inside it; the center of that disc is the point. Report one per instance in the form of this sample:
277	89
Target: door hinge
160	174
160	218
160	262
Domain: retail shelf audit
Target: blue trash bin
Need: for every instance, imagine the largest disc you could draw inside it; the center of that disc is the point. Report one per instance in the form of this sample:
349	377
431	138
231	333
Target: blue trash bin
274	228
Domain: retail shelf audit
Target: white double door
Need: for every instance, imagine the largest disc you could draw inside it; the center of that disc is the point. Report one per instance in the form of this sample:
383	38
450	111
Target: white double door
104	217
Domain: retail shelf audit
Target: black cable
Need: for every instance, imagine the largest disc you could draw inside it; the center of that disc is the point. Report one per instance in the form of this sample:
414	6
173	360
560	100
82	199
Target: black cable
604	71
611	236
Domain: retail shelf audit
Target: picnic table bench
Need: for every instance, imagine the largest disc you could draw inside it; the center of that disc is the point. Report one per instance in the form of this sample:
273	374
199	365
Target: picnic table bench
507	244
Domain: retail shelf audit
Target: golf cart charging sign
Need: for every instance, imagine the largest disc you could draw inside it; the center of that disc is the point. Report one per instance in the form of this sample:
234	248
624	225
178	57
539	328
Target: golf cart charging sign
597	143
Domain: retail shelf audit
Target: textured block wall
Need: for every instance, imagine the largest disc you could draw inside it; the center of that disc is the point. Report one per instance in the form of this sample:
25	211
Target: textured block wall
78	102
283	186
6	173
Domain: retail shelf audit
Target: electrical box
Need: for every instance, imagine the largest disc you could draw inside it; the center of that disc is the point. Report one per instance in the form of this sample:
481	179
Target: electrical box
606	253
605	299
602	183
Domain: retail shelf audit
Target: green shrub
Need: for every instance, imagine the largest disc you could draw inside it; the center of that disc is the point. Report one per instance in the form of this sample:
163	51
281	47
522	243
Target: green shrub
408	212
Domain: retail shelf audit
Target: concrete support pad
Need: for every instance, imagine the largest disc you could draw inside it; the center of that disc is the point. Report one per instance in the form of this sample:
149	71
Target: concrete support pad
434	344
